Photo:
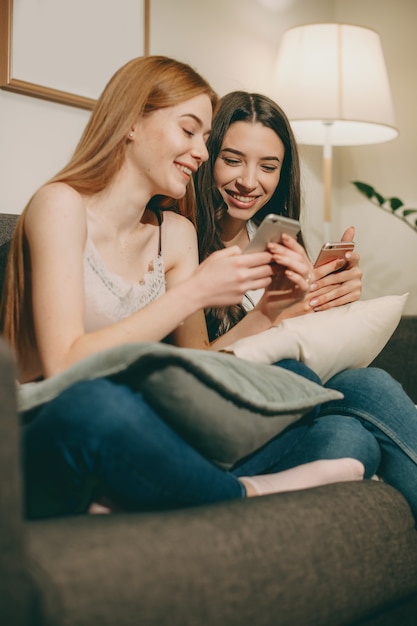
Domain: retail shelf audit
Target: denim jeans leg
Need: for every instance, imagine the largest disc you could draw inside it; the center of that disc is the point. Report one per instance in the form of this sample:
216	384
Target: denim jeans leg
312	438
97	434
386	411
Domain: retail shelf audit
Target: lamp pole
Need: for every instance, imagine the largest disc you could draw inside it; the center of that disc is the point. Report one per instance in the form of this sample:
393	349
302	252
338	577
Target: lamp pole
327	181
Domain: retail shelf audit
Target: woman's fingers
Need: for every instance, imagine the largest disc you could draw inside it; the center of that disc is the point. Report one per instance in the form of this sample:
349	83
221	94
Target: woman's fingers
292	256
227	274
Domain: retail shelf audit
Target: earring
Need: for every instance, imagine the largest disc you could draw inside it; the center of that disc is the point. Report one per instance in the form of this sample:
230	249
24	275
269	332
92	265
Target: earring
131	134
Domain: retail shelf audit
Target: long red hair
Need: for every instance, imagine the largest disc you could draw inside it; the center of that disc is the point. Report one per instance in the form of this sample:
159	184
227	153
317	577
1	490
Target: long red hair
143	85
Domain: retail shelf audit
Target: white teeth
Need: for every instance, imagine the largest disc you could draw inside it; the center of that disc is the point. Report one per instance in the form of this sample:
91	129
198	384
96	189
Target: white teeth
242	198
186	170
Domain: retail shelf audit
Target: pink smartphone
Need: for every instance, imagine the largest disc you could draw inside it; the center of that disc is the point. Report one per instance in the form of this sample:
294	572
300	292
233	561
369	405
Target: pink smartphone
334	250
271	229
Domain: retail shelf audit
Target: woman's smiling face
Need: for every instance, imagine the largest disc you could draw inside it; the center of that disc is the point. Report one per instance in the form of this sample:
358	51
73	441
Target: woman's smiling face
169	144
248	168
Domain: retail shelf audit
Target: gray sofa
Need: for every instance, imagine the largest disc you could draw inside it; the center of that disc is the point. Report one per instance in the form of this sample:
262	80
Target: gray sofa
343	554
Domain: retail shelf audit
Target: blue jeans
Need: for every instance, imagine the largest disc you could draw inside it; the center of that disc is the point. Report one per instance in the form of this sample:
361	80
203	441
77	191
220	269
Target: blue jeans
101	438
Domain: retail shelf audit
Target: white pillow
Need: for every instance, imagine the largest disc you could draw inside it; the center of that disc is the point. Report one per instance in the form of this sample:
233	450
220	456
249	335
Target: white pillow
329	341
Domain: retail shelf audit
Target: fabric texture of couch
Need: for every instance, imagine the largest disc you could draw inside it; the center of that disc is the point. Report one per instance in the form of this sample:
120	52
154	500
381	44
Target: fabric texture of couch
339	555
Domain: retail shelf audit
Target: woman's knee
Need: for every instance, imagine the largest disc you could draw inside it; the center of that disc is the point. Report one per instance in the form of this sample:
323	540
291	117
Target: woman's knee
365	388
369	378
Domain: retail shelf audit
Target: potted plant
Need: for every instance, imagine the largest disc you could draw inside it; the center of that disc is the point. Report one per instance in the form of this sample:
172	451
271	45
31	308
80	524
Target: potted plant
393	205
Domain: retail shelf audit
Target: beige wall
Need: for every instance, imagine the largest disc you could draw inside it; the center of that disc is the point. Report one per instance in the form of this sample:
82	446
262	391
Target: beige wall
388	247
234	44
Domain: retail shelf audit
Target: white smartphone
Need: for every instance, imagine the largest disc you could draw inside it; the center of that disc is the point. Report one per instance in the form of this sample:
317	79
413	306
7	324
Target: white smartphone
271	229
333	250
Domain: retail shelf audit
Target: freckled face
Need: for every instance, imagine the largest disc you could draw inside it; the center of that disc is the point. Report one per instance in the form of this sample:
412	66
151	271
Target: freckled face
169	145
248	168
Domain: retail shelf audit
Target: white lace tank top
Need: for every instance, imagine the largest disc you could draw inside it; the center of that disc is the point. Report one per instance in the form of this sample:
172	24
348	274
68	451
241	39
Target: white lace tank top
109	297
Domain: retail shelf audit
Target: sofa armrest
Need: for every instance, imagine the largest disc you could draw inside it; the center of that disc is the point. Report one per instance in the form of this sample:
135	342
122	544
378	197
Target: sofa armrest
17	589
7	227
10	471
399	357
333	555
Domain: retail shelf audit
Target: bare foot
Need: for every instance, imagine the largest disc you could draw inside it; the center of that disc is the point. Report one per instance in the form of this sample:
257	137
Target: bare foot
96	508
313	474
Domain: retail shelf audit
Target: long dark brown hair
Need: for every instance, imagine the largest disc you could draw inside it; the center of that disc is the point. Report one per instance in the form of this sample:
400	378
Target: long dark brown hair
241	106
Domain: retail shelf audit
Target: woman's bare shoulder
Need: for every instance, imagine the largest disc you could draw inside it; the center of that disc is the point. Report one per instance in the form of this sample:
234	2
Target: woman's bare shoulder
179	224
53	193
57	203
179	242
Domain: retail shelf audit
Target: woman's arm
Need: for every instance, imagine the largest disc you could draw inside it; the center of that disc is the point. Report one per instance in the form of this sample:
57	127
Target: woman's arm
56	229
224	272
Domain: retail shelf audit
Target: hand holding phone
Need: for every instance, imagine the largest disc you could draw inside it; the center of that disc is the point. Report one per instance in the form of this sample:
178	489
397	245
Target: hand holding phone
270	230
332	251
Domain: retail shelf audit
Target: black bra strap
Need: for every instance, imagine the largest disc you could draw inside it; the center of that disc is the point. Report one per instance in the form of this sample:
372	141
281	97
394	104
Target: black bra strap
159	216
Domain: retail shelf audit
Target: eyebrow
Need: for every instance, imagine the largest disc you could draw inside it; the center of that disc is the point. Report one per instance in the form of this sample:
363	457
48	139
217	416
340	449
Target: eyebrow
239	153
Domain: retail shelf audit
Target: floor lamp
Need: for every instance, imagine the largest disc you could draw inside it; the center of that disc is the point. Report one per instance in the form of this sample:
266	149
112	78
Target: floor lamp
332	82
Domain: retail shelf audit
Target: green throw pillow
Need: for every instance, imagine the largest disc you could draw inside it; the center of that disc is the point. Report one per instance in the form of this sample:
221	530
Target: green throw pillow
223	406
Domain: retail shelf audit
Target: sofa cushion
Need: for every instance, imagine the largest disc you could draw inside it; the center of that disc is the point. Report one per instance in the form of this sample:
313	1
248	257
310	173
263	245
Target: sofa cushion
399	356
7	226
225	407
327	556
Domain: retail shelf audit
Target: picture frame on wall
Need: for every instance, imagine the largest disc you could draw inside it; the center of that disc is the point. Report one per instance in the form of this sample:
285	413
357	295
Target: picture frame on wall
66	52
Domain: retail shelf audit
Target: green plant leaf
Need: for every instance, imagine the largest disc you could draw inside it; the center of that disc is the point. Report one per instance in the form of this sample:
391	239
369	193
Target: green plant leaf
396	203
390	205
367	190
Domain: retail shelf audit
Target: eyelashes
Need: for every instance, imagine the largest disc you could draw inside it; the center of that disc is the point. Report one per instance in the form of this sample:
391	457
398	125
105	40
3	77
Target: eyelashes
269	169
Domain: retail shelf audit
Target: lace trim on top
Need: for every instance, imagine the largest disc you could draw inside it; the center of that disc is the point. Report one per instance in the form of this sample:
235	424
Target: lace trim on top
109	297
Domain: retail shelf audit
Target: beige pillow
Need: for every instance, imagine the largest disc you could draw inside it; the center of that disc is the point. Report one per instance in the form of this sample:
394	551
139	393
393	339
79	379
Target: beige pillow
330	341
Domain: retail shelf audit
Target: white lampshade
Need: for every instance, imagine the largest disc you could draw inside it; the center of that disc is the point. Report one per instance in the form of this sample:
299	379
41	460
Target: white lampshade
332	82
